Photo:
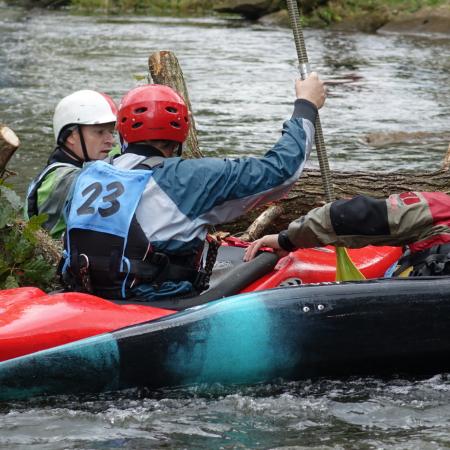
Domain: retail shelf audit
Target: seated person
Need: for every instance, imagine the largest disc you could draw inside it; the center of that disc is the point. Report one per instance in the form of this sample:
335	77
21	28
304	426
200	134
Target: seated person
137	227
83	124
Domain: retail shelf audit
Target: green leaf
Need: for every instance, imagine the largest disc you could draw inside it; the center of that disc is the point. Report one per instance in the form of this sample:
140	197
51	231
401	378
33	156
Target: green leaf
4	266
38	271
10	283
18	246
33	225
7	214
11	197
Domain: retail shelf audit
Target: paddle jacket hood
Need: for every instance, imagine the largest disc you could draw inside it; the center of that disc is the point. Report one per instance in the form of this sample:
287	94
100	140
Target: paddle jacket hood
183	196
48	192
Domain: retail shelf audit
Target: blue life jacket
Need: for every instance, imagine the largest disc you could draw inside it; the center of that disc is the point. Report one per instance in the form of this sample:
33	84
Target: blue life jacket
104	201
106	251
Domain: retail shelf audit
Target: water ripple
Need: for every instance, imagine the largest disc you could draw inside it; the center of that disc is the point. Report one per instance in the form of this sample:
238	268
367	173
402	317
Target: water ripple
352	414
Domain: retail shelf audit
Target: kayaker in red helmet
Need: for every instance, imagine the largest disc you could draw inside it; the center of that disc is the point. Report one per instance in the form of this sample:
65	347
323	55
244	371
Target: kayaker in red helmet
137	227
418	220
83	125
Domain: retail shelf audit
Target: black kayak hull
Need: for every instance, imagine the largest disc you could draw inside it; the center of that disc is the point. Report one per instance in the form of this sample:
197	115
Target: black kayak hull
379	328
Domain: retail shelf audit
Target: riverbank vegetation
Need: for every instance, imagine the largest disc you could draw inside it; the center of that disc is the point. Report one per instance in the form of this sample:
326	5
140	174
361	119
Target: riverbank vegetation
368	15
27	253
28	256
363	15
145	6
327	11
335	10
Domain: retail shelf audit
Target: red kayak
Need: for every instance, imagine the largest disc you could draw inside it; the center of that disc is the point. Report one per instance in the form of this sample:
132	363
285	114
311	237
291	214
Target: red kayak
31	320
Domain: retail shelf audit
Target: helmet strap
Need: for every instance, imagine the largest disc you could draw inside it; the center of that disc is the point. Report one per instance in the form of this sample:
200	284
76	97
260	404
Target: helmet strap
70	152
83	144
180	150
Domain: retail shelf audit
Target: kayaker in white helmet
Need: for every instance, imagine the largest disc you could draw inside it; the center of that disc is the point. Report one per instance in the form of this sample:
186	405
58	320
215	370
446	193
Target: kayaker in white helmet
141	232
83	125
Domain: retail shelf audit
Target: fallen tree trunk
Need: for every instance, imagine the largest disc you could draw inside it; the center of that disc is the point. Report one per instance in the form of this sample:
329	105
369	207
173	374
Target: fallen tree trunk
9	143
165	69
308	193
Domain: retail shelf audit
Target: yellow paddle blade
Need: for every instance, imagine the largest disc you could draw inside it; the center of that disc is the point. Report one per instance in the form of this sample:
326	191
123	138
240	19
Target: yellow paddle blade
345	269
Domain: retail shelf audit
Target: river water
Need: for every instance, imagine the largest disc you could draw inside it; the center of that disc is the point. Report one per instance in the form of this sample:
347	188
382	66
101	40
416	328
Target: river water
240	78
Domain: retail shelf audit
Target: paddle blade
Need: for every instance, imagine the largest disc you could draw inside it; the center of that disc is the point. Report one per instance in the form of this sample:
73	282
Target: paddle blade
345	269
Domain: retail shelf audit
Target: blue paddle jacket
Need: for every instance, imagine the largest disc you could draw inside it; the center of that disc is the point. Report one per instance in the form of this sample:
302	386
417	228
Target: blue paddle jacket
185	195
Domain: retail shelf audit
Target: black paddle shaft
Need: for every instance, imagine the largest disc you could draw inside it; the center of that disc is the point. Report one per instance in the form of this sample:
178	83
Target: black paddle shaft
304	69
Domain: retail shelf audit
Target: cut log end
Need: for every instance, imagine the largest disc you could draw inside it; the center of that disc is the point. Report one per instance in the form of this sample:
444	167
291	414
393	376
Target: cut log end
8	137
9	143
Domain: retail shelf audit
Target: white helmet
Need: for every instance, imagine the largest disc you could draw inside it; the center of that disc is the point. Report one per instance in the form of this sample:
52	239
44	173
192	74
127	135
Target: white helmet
84	107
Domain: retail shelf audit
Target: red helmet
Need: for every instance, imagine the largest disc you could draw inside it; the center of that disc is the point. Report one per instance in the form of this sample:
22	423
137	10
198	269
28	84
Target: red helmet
153	112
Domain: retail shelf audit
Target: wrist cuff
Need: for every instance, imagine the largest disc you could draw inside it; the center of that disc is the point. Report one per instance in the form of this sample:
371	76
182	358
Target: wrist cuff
284	242
304	108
